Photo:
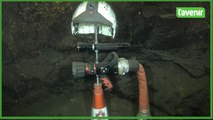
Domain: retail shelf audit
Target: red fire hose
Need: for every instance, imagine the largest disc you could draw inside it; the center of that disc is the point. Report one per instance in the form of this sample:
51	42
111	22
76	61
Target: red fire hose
143	93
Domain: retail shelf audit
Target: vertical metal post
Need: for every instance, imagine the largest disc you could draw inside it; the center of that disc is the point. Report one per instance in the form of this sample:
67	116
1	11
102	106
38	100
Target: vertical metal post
96	42
96	51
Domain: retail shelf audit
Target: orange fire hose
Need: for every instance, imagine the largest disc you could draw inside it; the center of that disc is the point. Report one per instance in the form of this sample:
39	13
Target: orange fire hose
143	93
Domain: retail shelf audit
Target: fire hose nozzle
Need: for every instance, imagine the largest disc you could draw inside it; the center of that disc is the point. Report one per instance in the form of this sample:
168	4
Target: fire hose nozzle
111	64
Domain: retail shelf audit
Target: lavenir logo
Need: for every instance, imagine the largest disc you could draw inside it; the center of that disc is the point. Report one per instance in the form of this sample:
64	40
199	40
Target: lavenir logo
190	12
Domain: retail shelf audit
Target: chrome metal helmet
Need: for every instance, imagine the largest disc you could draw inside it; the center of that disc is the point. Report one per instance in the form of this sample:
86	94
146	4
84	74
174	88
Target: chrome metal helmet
89	14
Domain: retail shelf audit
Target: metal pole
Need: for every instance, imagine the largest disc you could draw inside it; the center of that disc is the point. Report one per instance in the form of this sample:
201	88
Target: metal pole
96	42
96	52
